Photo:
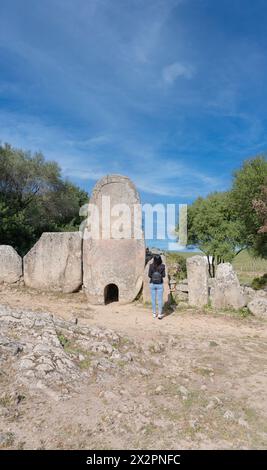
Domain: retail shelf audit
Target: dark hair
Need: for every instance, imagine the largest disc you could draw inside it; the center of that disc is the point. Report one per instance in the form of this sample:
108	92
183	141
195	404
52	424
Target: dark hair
157	260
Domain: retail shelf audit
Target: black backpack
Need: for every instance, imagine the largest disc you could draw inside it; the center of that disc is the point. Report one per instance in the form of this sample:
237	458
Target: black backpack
156	277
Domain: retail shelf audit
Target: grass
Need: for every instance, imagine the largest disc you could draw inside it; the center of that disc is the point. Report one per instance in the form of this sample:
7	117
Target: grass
64	341
248	267
202	370
9	440
71	348
6	400
228	312
245	264
85	363
241	312
172	255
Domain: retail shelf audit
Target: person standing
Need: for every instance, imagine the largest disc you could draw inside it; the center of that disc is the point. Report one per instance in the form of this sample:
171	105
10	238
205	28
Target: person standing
156	274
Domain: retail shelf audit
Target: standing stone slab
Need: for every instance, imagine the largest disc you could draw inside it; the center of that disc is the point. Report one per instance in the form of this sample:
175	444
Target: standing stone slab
146	283
55	263
258	306
226	291
10	265
108	262
197	276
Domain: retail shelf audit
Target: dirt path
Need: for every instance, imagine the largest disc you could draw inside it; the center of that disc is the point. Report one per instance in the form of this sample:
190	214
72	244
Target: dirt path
135	320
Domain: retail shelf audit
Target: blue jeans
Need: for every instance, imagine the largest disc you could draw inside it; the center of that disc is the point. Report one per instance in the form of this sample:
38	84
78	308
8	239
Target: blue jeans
156	292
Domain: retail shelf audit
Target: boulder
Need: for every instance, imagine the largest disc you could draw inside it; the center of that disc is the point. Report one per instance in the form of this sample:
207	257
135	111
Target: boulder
146	282
197	277
258	306
182	286
226	291
10	265
55	263
250	293
261	293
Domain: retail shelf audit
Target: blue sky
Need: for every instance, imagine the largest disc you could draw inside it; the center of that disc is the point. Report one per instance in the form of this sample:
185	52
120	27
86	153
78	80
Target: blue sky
169	92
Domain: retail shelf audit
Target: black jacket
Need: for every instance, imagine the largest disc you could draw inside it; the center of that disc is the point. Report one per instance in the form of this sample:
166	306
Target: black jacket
160	269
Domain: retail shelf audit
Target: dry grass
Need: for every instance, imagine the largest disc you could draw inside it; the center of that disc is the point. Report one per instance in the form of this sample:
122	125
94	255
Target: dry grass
247	266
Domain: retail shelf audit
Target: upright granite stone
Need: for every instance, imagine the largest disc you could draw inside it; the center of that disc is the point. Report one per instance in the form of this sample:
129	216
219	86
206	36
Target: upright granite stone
10	265
258	306
198	277
226	291
55	263
113	256
146	282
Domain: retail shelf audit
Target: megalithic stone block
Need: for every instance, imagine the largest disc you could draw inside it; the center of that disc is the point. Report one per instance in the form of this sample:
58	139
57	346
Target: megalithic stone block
55	263
10	265
226	291
113	263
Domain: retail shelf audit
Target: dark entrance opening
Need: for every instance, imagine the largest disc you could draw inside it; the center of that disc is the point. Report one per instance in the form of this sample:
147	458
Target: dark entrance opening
111	293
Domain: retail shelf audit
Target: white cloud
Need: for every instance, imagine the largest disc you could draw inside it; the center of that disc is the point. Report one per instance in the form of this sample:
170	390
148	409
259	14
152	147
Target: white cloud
152	172
171	72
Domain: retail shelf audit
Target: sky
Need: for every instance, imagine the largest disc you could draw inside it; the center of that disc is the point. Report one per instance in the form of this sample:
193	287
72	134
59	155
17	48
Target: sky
171	93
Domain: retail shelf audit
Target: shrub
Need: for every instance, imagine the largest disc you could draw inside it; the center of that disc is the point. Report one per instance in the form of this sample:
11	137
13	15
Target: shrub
176	266
259	282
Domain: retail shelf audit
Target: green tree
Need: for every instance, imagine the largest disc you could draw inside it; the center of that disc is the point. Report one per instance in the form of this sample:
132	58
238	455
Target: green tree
214	229
260	206
249	187
34	198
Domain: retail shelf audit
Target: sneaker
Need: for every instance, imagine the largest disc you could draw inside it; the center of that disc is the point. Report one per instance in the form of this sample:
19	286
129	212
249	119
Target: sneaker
160	317
154	315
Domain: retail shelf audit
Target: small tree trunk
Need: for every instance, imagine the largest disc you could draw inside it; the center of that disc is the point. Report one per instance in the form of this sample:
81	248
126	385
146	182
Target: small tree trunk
210	272
213	266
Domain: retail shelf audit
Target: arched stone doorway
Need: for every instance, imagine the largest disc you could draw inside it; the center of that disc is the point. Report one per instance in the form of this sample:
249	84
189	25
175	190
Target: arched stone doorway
111	293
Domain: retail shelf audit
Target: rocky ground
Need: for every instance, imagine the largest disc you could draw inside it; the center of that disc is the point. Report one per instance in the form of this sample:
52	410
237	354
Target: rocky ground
74	377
